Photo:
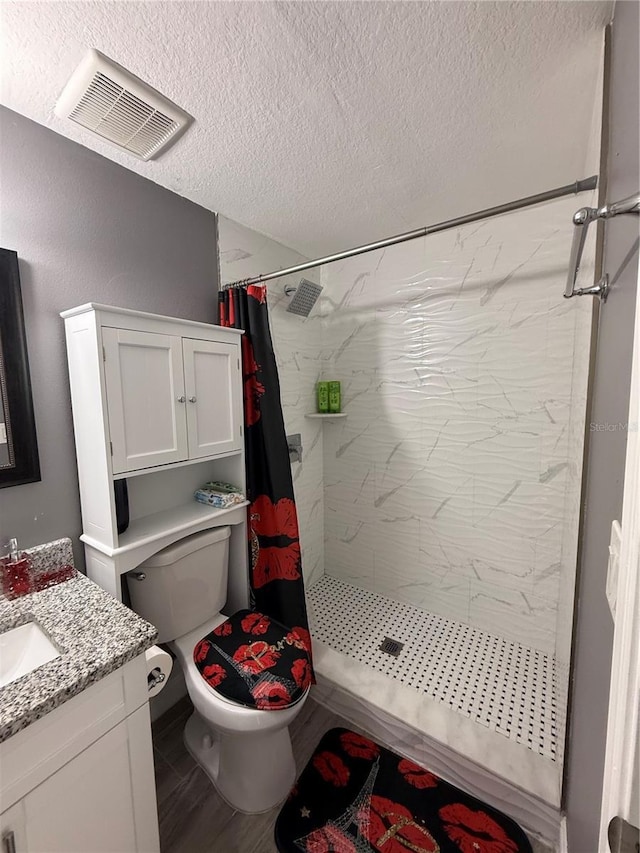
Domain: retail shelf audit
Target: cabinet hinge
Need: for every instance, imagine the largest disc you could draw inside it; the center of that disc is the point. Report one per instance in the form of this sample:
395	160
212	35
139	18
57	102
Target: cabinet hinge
104	354
111	447
238	363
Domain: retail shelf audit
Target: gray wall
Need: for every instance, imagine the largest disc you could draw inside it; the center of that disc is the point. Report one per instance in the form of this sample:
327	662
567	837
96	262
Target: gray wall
606	457
86	230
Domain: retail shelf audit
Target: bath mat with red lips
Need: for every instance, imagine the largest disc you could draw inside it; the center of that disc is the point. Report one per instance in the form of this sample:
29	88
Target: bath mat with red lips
354	796
255	661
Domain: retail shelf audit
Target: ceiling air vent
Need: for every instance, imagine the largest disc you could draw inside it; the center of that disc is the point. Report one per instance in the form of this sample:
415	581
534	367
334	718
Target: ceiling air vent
110	101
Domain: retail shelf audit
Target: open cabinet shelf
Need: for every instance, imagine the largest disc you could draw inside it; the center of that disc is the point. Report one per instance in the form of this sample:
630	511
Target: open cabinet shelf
175	521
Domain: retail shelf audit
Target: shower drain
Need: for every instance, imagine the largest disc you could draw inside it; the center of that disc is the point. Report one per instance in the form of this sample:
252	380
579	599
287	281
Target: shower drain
391	647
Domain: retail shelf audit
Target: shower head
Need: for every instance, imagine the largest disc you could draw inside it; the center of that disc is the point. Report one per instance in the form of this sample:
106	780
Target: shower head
304	296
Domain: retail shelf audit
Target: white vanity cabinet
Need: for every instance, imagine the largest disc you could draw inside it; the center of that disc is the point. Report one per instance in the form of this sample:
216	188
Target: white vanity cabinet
156	401
80	780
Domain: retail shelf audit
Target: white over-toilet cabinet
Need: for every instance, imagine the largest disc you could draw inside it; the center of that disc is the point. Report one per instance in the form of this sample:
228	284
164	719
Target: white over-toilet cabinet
169	398
158	401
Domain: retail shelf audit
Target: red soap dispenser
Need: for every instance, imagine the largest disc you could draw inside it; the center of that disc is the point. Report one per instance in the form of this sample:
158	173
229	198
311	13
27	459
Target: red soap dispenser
16	572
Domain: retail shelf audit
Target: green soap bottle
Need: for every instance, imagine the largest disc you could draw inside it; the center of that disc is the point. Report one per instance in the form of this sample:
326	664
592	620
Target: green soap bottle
323	397
335	401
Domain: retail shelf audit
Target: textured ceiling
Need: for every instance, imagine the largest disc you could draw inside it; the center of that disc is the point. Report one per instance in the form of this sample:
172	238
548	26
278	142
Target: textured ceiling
329	124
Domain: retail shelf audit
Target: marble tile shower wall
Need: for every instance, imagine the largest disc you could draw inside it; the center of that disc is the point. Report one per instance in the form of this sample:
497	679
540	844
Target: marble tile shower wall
297	344
453	484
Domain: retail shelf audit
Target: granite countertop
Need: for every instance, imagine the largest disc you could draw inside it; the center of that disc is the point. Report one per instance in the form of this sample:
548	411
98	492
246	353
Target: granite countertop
95	634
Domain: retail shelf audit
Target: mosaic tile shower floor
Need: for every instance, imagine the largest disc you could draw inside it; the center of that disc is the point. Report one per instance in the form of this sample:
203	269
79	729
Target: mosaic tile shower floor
508	687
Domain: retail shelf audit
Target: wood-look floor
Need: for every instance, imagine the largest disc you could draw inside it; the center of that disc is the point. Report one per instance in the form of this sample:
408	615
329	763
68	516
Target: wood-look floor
193	818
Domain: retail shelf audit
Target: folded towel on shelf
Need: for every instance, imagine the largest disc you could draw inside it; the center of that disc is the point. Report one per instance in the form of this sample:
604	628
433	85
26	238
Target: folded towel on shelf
219	494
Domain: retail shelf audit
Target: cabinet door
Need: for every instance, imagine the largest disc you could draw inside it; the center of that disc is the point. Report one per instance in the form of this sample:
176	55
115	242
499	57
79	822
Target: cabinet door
103	801
13	833
145	399
213	387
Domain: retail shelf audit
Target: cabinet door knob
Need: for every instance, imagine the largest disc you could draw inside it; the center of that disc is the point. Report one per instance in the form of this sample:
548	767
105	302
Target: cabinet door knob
182	399
8	842
192	399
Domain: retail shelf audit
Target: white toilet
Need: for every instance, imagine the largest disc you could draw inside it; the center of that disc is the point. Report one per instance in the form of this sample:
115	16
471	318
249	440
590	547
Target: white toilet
246	752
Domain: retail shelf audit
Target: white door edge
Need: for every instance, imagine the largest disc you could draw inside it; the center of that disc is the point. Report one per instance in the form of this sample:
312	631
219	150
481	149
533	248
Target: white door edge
622	726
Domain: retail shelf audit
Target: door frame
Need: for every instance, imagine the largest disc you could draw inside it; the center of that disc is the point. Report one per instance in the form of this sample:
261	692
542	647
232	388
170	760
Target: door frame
622	726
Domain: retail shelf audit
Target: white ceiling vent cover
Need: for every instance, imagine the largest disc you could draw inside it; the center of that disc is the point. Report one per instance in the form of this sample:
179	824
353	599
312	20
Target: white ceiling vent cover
107	99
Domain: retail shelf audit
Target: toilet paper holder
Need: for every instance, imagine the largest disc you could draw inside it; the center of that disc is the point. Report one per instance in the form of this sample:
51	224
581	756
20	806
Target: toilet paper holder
155	677
159	666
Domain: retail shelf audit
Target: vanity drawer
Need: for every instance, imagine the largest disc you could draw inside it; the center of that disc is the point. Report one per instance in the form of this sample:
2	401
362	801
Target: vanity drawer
39	750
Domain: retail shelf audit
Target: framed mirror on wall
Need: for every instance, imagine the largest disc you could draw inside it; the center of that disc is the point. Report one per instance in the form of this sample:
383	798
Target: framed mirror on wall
19	461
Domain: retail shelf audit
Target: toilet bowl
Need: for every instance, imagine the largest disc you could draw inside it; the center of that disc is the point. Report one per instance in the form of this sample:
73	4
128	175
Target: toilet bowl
245	752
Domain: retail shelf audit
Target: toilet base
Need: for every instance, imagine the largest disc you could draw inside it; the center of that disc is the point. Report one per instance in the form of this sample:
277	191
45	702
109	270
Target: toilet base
253	773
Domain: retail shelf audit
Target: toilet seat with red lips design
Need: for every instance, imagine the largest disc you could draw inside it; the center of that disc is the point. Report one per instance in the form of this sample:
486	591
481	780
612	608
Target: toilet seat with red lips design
255	661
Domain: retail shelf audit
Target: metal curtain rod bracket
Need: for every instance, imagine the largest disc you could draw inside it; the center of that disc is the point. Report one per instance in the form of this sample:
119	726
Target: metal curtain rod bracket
569	189
582	219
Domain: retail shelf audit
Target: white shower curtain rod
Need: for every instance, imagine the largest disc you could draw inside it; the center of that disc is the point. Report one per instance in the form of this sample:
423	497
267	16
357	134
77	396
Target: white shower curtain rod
570	189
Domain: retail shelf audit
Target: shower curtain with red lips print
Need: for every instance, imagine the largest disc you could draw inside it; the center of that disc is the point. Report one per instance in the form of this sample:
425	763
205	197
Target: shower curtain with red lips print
277	587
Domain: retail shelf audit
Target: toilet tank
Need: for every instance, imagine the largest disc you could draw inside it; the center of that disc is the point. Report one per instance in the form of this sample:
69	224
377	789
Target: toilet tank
184	585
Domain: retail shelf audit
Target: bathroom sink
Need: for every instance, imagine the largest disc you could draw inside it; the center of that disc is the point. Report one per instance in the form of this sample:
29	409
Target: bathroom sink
22	650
